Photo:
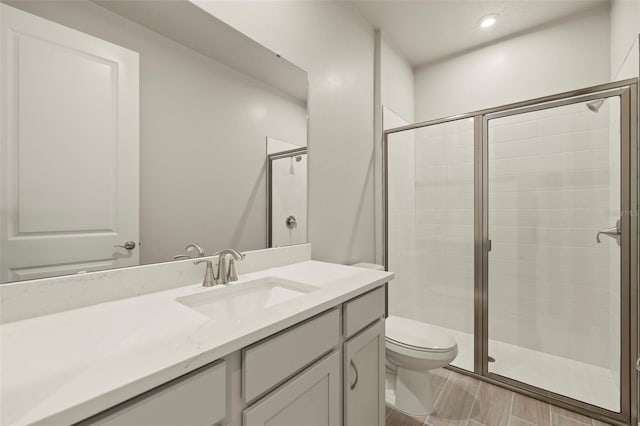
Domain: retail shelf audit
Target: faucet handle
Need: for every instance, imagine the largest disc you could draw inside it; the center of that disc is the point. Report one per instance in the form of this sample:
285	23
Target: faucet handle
209	277
232	275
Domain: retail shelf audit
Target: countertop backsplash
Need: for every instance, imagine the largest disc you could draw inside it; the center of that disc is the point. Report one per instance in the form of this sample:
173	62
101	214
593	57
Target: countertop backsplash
28	299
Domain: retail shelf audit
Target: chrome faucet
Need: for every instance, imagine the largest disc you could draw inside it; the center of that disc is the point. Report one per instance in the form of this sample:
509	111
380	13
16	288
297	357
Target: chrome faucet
190	247
226	275
209	279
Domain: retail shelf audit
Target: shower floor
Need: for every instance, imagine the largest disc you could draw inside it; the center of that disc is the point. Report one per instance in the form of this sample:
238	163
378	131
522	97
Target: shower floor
584	382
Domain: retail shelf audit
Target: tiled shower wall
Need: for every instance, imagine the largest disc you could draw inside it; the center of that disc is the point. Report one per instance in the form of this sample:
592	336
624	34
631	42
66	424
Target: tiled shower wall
549	178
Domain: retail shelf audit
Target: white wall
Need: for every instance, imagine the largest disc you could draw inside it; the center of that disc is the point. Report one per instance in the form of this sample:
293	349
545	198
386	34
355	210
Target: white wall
625	26
396	80
335	45
203	128
553	59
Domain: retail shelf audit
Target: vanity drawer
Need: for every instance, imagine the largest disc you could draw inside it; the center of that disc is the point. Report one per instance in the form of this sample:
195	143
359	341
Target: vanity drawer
364	310
310	398
276	358
195	399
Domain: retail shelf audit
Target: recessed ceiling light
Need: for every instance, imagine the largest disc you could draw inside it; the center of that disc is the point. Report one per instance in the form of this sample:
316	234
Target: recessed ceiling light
489	20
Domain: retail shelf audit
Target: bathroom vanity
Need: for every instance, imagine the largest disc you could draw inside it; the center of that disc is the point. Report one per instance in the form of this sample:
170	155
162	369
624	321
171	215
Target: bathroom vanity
292	377
297	344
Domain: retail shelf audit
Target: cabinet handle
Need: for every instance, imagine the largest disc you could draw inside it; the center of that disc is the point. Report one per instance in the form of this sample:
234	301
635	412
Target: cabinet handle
355	382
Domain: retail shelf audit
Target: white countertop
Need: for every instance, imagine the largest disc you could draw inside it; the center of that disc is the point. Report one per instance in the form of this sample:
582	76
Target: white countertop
64	367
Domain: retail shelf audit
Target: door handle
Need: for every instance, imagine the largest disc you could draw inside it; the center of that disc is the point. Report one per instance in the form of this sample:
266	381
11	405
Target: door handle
129	245
355	382
614	232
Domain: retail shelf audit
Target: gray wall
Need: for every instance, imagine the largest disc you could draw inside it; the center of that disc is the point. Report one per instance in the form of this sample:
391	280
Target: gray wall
335	45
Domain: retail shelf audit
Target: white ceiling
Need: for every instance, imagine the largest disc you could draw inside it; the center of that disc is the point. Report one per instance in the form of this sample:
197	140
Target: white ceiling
429	30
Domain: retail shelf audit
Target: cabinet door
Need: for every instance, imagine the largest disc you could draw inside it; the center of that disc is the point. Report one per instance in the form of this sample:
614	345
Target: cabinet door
310	399
364	378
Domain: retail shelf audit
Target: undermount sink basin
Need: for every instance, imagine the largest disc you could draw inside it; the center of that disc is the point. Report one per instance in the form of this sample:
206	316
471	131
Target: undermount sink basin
236	301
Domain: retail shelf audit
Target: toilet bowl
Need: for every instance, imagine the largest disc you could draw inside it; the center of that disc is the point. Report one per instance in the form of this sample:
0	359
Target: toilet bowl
413	348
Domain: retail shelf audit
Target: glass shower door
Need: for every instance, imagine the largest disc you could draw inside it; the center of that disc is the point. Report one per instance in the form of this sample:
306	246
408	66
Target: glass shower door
555	268
430	229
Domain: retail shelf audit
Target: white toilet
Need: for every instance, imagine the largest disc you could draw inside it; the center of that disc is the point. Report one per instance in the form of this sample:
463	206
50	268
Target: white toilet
413	348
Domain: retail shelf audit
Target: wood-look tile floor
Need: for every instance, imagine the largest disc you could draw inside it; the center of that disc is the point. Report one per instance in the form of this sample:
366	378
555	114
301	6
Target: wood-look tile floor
464	401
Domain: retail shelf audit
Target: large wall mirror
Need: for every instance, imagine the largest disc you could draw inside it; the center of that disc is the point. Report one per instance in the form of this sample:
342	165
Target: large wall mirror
131	129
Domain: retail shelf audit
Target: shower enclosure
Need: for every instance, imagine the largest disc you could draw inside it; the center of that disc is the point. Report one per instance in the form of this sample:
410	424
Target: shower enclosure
515	230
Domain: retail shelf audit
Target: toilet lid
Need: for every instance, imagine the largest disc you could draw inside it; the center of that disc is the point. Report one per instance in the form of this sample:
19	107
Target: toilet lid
417	335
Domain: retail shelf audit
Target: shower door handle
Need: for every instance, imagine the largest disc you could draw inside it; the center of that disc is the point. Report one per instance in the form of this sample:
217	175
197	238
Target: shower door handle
613	232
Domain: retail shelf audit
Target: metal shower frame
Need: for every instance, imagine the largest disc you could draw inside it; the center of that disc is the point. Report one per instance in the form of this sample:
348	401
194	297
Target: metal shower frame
627	90
270	159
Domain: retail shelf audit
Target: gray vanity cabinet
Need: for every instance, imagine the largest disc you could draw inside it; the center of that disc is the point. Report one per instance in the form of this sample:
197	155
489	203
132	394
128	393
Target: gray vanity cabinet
363	387
198	398
344	388
276	359
327	370
311	399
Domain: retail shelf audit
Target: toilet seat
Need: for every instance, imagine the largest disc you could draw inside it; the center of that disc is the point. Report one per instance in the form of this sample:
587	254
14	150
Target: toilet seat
409	336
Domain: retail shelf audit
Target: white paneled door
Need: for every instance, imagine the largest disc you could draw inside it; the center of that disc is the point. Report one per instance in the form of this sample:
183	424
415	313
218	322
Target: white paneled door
69	155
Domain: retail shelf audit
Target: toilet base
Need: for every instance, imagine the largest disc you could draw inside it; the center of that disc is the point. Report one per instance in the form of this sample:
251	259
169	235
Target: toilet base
410	392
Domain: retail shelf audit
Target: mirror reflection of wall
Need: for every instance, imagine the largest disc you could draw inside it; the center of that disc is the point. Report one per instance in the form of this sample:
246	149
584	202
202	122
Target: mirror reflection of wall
201	169
286	193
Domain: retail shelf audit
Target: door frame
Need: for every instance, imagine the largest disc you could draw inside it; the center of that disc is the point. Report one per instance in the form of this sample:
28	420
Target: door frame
628	92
